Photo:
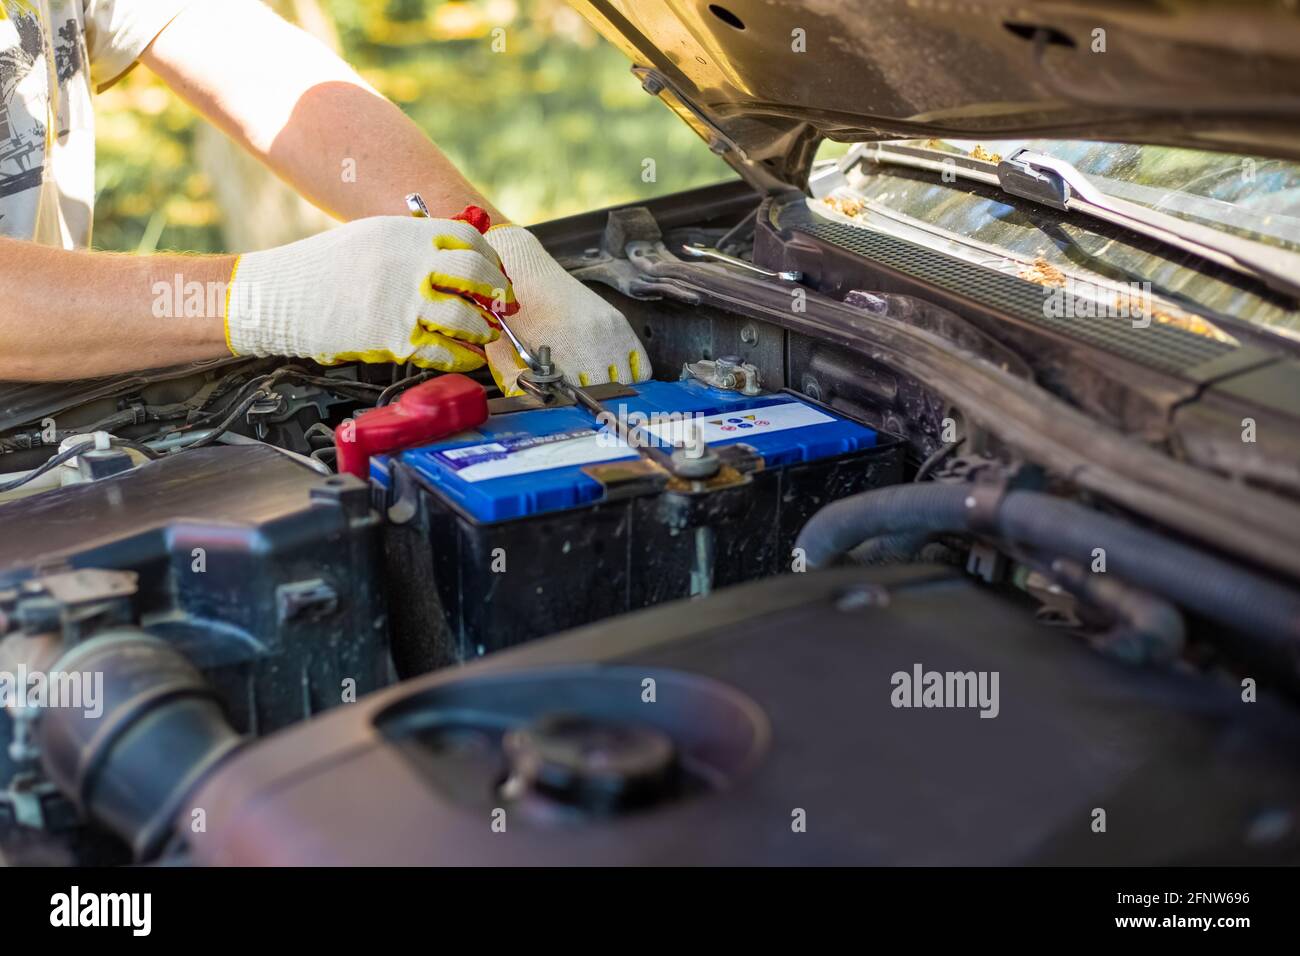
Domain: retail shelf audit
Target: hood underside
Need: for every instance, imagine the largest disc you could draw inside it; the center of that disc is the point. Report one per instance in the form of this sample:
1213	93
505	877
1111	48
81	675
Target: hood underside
764	80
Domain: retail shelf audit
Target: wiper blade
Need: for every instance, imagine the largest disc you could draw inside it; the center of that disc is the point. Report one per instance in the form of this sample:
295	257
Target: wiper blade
1059	185
1056	183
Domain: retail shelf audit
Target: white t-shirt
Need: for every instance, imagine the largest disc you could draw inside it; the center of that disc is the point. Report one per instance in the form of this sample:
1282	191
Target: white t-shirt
51	54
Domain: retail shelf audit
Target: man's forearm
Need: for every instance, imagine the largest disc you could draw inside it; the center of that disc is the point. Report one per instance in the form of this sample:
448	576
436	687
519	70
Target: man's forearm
304	112
68	315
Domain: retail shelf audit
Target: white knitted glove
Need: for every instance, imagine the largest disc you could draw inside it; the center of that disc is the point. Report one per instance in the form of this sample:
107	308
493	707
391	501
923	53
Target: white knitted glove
387	289
590	340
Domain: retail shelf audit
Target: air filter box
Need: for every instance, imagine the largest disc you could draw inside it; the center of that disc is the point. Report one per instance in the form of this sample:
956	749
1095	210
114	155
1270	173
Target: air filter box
541	520
258	570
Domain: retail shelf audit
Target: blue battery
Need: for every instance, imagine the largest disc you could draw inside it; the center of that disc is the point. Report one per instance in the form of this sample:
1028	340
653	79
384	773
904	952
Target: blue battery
531	462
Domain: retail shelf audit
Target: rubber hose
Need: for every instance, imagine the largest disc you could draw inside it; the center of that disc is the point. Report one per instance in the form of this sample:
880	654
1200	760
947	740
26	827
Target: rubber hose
895	510
890	548
1147	628
1207	585
1211	587
153	735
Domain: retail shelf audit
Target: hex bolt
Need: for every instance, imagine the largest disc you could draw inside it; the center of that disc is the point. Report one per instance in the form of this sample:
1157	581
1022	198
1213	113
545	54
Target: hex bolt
695	466
694	459
543	370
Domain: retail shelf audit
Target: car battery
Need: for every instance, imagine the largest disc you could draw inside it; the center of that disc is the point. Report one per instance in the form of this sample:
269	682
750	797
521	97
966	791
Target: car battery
544	519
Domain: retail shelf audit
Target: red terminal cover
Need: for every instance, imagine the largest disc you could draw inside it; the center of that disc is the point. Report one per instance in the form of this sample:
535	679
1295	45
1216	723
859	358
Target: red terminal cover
424	413
476	217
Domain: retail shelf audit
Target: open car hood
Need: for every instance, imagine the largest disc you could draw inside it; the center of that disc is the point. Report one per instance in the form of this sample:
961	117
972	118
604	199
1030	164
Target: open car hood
764	80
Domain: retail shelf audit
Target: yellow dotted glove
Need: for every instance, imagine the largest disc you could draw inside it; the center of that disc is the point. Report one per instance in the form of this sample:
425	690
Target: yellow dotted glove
590	339
387	289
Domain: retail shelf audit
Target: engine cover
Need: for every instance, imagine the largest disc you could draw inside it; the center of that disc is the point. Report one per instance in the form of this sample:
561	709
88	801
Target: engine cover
790	721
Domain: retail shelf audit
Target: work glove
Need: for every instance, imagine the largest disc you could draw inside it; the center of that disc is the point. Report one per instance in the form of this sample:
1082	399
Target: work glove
387	289
590	340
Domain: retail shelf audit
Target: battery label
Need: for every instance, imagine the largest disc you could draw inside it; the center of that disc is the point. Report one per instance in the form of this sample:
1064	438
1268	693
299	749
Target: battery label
458	458
739	425
522	454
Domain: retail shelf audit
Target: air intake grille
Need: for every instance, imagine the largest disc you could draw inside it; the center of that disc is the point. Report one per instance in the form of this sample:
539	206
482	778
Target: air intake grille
1157	346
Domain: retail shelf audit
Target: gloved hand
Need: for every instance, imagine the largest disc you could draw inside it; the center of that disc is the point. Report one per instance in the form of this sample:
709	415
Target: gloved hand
589	338
387	289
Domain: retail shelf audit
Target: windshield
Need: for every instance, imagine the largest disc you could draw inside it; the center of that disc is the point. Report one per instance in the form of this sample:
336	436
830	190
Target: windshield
1244	195
1254	198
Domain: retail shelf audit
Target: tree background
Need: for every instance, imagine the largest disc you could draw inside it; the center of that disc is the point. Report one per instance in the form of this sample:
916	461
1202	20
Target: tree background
553	125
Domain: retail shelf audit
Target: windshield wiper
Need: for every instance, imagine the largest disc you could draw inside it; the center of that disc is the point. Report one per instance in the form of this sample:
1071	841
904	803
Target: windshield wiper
1057	184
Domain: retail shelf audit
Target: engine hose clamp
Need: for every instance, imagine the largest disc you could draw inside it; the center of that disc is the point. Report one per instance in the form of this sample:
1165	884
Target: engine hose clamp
983	502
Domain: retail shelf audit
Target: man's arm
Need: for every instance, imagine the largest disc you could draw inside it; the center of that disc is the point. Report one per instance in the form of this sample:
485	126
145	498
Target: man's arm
308	115
304	112
70	315
299	108
384	288
362	291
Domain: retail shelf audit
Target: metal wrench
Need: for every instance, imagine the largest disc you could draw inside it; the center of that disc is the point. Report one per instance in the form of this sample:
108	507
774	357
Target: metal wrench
416	204
542	376
708	252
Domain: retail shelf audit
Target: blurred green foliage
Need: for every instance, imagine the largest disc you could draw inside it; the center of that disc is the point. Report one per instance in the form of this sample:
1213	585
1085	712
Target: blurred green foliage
535	107
148	191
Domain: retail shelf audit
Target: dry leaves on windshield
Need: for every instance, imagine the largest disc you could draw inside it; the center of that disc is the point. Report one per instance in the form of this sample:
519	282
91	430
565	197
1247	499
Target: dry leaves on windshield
1043	273
846	206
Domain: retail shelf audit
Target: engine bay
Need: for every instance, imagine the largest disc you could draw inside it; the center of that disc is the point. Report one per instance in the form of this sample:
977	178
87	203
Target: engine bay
189	539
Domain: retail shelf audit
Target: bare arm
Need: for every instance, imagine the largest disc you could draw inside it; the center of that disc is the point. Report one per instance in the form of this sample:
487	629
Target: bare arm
304	112
289	101
74	315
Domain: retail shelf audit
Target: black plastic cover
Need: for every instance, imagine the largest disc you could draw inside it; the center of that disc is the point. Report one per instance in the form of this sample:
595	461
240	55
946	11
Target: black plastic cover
779	699
262	572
